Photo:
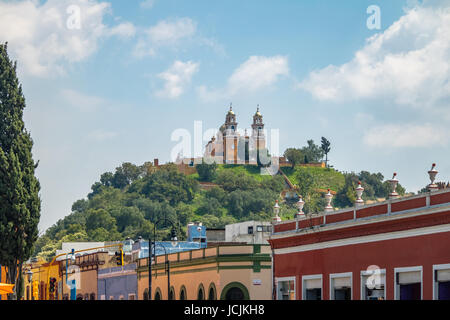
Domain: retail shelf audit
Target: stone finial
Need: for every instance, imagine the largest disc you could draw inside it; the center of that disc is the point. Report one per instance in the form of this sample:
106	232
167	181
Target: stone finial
276	210
359	191
432	173
329	197
393	182
300	203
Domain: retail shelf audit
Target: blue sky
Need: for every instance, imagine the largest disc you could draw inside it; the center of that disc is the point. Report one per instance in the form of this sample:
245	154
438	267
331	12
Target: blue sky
114	87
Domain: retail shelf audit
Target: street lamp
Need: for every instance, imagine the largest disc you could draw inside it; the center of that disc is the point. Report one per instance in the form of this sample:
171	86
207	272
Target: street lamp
29	274
150	255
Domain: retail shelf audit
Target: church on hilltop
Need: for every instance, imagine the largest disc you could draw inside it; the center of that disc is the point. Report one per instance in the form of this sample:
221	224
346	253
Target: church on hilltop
232	146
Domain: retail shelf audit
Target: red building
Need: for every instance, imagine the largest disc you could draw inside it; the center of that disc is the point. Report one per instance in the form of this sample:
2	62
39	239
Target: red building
397	249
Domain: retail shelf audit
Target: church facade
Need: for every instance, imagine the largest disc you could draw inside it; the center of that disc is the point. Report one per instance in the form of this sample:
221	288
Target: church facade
232	146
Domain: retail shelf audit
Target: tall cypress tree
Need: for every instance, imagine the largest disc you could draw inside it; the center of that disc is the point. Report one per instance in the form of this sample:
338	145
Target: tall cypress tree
20	203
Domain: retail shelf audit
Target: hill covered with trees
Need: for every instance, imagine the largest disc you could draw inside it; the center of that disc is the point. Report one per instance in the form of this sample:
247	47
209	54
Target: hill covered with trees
127	202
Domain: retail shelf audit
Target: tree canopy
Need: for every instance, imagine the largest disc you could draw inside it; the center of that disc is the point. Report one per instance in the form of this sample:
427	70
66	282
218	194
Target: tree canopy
19	188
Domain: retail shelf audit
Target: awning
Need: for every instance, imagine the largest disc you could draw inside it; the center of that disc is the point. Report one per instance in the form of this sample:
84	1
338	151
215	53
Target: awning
6	288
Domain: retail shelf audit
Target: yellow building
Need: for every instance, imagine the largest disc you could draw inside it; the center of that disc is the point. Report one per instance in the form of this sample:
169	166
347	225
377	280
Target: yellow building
3	280
228	272
45	280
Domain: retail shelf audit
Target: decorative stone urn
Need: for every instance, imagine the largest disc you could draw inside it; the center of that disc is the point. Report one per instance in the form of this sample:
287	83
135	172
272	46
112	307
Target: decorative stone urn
328	197
359	191
276	210
300	204
393	182
432	173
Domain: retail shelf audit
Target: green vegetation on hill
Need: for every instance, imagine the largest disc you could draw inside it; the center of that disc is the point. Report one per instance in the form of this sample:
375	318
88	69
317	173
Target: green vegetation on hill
129	201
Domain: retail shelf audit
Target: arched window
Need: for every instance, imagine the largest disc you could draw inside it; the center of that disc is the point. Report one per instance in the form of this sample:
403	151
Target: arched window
212	294
79	297
172	293
235	291
183	293
201	293
92	297
158	294
146	294
86	296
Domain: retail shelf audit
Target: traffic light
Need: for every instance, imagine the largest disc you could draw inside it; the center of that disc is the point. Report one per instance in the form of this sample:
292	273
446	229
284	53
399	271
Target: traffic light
35	290
52	284
173	234
119	258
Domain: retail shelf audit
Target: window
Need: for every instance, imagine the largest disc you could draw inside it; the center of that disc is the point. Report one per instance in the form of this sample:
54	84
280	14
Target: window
212	292
183	293
201	293
286	288
341	286
441	282
312	287
146	294
172	294
250	230
373	285
263	228
408	283
92	296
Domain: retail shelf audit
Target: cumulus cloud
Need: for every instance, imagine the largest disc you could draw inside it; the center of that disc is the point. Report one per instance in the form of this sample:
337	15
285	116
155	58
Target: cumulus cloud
123	30
406	135
258	72
408	63
44	37
176	78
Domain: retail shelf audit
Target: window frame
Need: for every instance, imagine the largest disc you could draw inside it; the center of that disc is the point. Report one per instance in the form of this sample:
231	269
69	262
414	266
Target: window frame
333	276
365	273
407	269
437	267
312	277
284	279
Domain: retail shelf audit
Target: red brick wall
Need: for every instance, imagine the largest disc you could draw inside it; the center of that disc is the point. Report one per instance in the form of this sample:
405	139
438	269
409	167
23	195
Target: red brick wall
408	204
332	218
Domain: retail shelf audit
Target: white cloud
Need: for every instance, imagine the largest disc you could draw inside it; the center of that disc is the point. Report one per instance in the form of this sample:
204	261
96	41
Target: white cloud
147	4
165	33
409	63
406	135
257	73
176	78
45	37
123	30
